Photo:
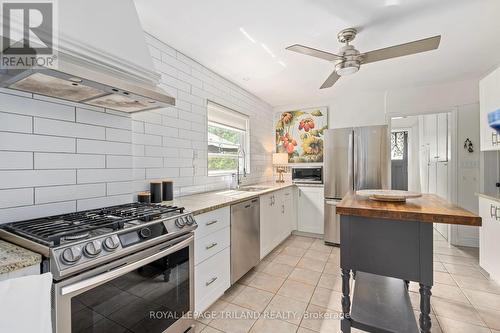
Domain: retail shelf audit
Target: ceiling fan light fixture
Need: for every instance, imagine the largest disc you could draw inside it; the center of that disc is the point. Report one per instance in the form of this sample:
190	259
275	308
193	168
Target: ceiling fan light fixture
347	68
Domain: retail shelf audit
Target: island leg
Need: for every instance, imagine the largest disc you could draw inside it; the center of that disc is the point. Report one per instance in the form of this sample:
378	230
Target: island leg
425	308
346	301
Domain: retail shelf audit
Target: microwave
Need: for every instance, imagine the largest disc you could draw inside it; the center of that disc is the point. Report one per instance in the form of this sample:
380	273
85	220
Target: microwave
307	175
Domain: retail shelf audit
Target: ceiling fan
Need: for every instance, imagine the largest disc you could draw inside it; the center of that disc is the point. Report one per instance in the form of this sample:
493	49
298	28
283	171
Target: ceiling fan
349	59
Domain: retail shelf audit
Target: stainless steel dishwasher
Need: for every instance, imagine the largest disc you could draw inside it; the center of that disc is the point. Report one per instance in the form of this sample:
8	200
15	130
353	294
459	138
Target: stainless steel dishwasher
245	237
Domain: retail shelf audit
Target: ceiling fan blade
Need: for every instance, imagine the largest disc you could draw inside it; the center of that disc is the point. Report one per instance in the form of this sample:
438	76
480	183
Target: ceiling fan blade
418	46
330	81
313	52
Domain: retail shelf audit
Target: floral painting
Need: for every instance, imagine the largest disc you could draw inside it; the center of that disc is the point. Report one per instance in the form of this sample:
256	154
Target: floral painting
300	134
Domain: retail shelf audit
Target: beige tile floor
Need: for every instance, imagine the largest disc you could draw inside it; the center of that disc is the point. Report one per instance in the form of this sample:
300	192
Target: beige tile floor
297	288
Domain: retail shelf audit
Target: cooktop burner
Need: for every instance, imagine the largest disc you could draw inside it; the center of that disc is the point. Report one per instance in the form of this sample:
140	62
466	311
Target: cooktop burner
67	228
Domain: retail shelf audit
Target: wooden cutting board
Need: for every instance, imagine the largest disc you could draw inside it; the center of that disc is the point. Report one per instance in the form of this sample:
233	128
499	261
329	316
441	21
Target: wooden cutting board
388	195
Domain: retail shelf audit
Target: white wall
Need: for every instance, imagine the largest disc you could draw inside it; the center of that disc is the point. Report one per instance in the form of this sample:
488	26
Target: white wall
58	157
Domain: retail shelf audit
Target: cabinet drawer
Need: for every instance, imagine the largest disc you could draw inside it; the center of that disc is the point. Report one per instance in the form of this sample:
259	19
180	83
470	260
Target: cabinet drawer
211	244
212	278
212	221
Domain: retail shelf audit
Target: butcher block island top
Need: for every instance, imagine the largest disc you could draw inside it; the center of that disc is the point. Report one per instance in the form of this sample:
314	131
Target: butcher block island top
428	208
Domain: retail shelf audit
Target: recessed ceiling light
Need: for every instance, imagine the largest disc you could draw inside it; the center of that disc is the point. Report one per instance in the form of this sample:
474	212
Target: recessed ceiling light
247	35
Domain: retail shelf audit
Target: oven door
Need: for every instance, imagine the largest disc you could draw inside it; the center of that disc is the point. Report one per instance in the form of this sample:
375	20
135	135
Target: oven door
149	291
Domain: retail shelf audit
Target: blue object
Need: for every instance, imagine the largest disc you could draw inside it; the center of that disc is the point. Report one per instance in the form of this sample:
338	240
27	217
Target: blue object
494	120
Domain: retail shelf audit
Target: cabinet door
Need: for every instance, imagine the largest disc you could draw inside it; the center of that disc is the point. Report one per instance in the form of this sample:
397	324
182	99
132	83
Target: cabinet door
288	215
311	210
430	135
442	137
489	96
267	220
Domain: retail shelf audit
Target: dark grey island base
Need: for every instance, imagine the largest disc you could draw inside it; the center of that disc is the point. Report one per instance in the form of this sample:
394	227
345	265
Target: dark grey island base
385	254
386	245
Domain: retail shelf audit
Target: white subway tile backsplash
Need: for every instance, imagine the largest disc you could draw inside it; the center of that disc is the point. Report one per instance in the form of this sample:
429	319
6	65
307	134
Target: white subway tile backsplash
103	119
174	142
31	212
16	197
147	117
161	151
84	146
137	126
66	128
14	160
161	130
148	162
113	134
104	201
68	161
31	107
33	178
119	188
103	175
146	139
68	192
119	162
160	173
15	123
29	142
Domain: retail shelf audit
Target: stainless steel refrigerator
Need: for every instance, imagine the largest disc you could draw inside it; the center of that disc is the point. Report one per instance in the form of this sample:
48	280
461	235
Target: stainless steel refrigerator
354	159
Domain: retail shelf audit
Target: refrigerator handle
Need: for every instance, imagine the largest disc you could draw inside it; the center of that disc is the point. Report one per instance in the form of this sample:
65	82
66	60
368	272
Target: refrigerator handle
351	160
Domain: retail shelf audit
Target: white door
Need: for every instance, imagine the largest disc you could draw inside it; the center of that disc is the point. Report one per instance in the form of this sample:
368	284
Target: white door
311	210
442	137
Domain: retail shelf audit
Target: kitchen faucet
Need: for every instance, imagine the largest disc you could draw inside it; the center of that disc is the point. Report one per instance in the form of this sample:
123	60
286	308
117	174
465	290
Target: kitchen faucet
241	152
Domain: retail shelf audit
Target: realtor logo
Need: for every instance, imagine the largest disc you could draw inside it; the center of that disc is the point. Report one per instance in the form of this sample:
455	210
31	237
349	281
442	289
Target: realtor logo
27	34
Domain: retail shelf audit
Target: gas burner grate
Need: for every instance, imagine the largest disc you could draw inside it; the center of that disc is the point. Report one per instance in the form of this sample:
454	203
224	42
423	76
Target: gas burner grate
74	226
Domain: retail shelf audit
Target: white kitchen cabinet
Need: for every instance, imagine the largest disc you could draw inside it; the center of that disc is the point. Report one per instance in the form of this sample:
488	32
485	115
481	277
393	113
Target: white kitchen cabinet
489	234
311	209
276	219
212	270
436	136
442	136
489	99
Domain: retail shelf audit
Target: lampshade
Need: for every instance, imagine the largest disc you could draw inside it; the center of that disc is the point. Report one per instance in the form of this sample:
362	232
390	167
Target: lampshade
280	158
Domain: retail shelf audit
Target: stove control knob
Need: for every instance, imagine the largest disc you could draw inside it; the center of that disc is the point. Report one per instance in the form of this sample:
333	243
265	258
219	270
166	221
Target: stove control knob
179	222
71	255
189	220
92	249
111	243
145	233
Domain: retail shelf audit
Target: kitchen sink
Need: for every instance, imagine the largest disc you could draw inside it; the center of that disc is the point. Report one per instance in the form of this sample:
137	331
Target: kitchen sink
253	188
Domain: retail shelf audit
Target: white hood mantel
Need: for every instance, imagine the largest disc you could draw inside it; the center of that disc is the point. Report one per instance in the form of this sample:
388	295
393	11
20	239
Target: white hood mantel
103	44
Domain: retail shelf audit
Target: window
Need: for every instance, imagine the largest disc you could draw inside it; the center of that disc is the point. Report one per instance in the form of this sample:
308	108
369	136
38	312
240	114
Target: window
228	141
398	142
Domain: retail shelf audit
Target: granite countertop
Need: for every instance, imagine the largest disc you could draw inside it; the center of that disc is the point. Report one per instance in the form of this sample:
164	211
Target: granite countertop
428	208
13	257
208	201
489	196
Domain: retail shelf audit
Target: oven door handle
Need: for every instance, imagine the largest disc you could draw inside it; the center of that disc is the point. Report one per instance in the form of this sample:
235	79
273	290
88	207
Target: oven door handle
116	272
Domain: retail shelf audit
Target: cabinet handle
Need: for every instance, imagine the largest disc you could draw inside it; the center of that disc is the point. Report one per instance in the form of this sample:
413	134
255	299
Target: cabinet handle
282	209
208	247
494	138
497	213
209	282
287	194
493	211
211	222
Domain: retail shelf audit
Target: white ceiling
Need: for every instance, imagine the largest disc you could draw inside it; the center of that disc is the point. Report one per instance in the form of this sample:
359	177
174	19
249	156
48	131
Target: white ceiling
209	32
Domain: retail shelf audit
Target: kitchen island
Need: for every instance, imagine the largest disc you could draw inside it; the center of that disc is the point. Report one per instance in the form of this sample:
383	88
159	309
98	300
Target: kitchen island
386	245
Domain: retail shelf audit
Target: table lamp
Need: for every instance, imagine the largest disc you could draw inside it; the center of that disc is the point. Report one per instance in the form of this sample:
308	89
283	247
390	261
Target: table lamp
280	161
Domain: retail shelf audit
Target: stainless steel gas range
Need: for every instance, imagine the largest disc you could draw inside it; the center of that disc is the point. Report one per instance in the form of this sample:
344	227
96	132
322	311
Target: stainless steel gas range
126	268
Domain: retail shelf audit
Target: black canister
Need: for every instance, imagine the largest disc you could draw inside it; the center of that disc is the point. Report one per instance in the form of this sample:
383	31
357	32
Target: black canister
168	190
155	192
144	197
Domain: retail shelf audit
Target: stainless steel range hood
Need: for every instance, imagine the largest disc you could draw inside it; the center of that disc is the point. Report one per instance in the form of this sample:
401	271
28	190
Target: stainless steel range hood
96	74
